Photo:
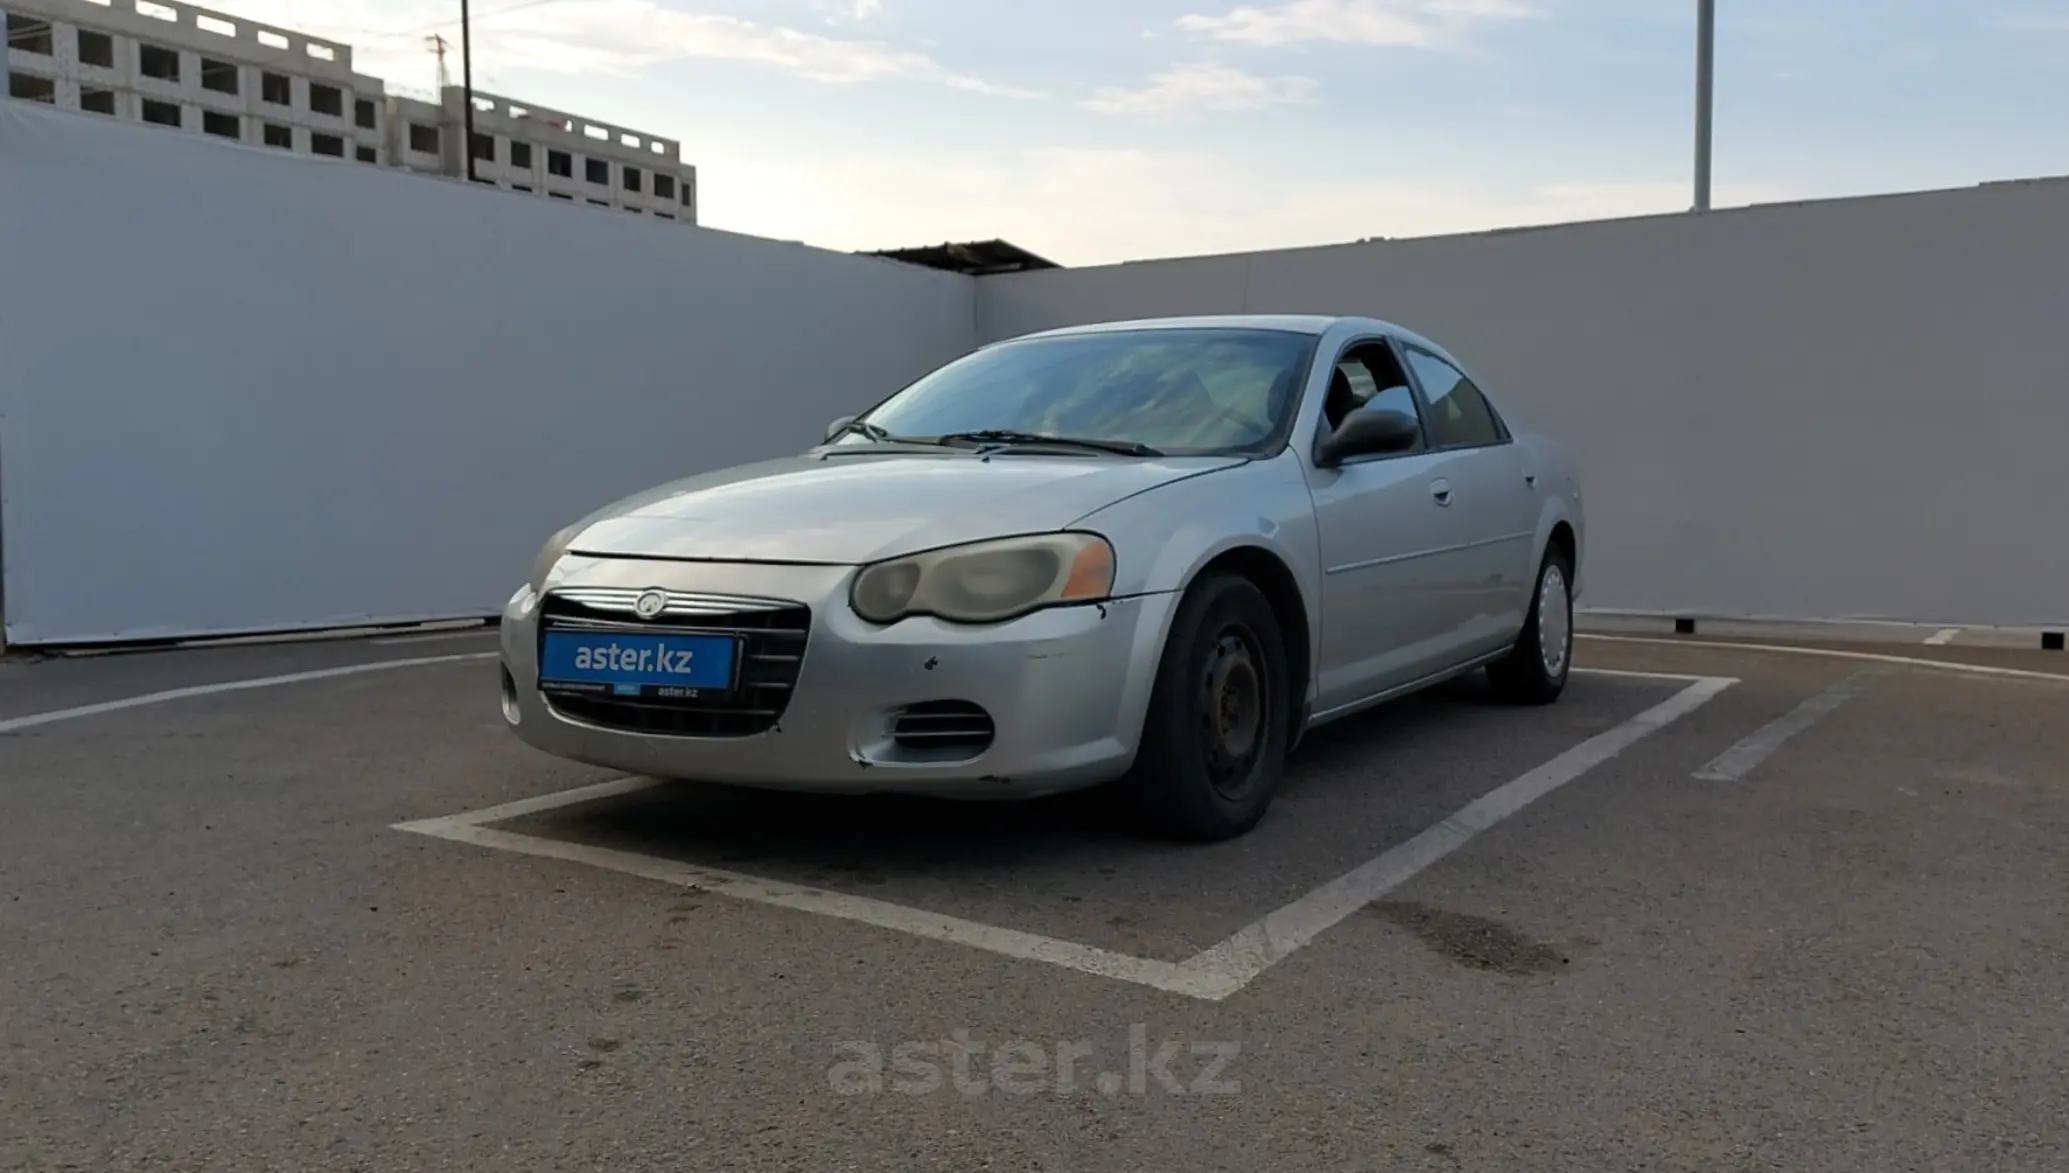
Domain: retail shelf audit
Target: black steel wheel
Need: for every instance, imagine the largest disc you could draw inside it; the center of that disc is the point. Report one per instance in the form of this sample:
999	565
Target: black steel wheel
1214	743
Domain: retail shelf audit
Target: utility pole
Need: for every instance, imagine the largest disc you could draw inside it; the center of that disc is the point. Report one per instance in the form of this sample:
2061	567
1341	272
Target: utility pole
467	82
1705	89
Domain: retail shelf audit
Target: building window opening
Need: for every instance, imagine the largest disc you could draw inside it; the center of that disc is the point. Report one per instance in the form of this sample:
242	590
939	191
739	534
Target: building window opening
220	76
30	35
96	49
29	88
158	62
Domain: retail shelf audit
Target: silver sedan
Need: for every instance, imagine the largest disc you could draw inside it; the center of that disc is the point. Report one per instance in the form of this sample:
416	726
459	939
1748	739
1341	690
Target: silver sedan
1151	553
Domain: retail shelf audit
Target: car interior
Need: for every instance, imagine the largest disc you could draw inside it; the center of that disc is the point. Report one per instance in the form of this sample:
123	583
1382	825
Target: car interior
1367	375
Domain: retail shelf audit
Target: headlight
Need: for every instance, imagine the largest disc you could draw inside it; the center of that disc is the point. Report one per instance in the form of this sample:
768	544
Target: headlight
986	582
550	553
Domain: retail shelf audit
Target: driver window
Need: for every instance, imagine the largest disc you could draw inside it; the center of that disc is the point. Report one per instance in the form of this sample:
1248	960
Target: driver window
1367	376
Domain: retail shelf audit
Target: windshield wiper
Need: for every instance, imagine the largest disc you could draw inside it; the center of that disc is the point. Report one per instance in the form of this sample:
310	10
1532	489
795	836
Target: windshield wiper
878	434
1008	436
869	430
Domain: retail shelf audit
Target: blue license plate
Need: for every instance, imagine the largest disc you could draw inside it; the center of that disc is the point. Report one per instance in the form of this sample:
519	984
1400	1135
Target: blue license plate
636	664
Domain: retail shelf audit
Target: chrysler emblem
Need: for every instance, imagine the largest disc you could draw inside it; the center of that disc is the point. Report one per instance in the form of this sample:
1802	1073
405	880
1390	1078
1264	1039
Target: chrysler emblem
650	603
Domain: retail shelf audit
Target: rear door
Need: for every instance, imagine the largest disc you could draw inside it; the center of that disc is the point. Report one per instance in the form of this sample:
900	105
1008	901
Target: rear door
1491	505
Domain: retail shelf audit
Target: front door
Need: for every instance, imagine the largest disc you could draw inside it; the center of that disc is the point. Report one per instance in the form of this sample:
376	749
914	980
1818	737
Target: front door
1386	552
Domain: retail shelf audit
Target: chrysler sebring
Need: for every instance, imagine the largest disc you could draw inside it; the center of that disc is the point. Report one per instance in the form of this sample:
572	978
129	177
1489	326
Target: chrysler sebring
1150	553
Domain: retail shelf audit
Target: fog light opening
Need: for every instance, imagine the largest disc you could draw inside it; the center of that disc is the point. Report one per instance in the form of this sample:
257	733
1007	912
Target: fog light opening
511	713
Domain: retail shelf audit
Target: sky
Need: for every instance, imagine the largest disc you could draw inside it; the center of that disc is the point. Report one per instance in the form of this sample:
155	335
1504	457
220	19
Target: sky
1098	131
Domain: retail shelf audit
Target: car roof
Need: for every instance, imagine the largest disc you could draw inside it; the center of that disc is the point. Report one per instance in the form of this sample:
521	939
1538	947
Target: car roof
1314	324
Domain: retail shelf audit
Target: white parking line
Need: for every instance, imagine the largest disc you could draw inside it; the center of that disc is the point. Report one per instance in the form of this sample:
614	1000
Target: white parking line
12	724
1944	636
1741	759
1238	960
1213	974
1834	654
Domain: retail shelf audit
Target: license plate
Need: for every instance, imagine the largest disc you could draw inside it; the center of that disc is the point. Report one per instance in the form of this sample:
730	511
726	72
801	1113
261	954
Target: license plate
662	667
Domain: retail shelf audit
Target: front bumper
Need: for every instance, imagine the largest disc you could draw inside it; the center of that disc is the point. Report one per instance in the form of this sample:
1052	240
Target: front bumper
1066	690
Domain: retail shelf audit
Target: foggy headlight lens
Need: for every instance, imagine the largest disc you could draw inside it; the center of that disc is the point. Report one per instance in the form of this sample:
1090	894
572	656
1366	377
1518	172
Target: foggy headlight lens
988	581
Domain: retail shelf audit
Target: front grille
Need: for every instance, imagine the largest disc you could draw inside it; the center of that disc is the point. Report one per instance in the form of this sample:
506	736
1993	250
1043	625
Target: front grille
772	632
943	729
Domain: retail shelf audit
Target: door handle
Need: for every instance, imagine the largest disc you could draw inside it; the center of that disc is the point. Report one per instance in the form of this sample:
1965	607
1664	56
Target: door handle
1440	491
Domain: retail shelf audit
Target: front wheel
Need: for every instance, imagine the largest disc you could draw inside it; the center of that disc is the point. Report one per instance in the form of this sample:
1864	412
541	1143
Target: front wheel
1214	743
1534	672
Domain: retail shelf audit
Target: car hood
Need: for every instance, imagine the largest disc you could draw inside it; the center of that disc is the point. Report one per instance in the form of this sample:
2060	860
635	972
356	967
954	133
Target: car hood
852	509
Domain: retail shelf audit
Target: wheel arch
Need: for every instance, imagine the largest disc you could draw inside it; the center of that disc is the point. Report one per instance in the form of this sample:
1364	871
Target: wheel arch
1270	573
1562	539
1558	525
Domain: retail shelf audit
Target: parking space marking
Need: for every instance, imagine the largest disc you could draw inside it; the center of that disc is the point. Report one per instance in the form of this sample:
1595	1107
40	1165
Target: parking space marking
1163	975
1627	674
14	724
1211	975
1241	958
1741	759
1833	654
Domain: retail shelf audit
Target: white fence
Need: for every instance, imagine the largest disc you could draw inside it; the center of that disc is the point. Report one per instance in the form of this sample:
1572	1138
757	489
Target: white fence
242	390
1856	409
246	391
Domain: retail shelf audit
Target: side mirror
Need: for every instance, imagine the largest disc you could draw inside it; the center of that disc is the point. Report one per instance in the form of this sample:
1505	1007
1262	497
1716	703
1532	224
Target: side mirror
833	429
1368	432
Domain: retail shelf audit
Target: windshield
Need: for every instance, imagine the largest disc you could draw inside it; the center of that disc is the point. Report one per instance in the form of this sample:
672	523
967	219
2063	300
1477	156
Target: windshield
1177	391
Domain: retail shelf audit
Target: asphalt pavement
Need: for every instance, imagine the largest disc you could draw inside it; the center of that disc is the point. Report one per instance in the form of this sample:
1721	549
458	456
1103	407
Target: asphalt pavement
1764	911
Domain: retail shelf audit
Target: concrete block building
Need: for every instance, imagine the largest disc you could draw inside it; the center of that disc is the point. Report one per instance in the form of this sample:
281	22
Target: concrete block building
546	153
198	71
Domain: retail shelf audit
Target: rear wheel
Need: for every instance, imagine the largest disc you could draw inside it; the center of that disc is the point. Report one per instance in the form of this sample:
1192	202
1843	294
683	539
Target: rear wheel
1214	743
1535	671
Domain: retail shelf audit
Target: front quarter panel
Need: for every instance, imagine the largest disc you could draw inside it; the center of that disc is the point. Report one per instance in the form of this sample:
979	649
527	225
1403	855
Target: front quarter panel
1164	537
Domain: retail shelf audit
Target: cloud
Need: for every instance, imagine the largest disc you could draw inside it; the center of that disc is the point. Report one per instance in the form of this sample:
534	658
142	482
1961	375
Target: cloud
1202	85
838	12
616	37
1415	23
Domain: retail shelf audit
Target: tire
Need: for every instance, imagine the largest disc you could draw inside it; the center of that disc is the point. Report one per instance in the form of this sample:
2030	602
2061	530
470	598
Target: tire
1206	772
1535	670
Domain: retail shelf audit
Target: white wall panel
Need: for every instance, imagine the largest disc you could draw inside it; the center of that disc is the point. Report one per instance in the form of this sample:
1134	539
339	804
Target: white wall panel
242	390
1852	409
